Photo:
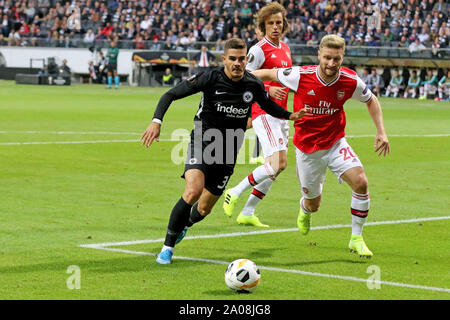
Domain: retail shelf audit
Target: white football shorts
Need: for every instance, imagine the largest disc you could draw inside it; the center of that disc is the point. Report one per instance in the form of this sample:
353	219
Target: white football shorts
273	133
312	167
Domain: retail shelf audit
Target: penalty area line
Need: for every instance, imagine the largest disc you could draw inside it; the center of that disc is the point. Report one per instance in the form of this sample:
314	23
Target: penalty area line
238	234
294	271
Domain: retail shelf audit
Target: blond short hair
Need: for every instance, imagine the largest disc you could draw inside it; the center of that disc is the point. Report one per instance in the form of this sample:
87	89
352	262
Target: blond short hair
332	41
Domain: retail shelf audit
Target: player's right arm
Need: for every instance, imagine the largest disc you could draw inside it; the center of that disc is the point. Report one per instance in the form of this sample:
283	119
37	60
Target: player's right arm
275	110
288	77
266	74
186	88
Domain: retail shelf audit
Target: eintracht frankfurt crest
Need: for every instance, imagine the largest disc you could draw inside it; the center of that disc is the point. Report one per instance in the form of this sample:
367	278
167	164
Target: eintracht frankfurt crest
248	96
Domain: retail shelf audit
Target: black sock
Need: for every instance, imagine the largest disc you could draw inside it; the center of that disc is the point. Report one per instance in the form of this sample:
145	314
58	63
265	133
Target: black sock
195	216
177	221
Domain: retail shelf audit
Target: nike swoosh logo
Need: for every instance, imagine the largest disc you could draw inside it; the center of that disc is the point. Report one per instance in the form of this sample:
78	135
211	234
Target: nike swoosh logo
220	92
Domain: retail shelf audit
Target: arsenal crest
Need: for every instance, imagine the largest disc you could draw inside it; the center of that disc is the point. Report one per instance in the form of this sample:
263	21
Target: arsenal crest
340	94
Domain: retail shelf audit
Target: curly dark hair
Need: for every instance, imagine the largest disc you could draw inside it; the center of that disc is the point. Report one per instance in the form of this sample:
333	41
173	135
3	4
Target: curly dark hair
266	12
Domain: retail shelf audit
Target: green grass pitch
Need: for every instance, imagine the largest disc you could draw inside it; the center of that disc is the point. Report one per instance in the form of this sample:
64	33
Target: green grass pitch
74	173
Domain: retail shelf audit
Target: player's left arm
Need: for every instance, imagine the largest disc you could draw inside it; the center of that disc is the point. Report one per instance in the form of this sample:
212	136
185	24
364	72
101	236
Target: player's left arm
381	143
363	94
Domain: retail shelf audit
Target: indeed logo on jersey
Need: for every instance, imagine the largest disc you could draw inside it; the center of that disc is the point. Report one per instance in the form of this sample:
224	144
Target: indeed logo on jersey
232	111
323	108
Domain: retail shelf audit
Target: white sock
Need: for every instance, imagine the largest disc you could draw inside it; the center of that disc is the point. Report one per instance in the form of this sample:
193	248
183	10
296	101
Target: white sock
359	209
258	175
256	196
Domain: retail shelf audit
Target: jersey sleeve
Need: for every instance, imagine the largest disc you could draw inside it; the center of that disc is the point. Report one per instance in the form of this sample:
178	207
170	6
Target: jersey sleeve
256	58
362	93
194	84
289	77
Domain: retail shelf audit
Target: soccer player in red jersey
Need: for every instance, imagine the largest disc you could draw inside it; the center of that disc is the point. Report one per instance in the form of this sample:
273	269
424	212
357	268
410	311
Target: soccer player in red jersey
320	139
273	133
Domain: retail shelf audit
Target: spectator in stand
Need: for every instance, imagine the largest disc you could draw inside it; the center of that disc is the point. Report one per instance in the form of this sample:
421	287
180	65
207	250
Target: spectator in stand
89	37
313	41
14	38
5	25
208	33
107	30
168	45
245	15
156	46
424	35
138	42
388	37
403	43
416	46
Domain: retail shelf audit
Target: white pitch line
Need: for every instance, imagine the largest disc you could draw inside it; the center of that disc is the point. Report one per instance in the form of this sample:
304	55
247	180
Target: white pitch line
72	132
295	271
62	142
103	246
238	234
186	138
167	133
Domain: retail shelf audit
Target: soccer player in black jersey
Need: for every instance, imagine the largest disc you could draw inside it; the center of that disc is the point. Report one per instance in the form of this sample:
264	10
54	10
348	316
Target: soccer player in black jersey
219	126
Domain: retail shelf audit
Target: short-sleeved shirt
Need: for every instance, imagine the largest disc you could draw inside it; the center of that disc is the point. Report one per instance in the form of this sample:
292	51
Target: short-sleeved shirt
327	125
267	55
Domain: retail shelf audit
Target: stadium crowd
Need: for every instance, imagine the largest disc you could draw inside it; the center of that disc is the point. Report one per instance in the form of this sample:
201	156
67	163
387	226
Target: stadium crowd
189	24
180	25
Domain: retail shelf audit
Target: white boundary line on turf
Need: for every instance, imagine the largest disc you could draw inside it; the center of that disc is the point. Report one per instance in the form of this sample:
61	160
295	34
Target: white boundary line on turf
238	234
306	273
176	140
187	130
102	246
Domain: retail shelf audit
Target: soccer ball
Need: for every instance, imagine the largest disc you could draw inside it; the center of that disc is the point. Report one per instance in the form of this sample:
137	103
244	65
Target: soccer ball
242	276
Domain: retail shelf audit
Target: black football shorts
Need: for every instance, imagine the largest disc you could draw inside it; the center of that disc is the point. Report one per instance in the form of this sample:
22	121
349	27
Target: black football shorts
217	175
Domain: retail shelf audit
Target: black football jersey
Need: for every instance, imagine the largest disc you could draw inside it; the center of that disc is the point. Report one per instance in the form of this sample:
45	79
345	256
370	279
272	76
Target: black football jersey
225	104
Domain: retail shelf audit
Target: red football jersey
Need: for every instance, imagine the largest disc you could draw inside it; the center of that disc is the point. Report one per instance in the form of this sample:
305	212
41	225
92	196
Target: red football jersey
267	55
327	125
